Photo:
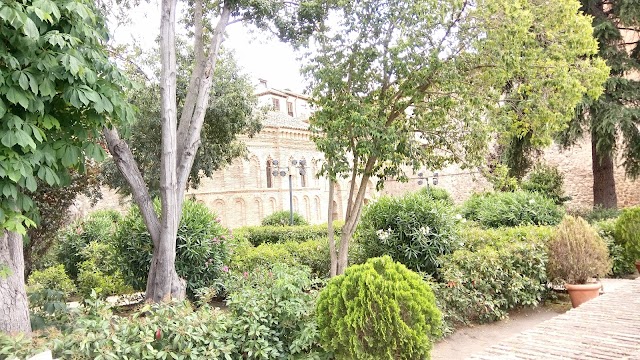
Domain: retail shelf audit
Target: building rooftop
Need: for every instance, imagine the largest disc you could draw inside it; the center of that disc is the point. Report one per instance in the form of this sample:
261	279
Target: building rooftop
282	120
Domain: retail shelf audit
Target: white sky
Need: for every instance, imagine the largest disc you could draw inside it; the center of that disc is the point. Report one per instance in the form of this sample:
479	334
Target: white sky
259	56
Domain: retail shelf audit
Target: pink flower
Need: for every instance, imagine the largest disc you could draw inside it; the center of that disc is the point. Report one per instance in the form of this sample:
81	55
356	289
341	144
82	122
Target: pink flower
215	240
245	274
225	269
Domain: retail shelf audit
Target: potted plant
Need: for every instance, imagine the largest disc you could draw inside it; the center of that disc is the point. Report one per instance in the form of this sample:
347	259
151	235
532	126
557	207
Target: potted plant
578	256
627	234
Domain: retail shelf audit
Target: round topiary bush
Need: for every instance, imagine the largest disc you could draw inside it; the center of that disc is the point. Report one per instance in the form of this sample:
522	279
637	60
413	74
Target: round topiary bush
283	218
413	229
627	234
201	249
378	310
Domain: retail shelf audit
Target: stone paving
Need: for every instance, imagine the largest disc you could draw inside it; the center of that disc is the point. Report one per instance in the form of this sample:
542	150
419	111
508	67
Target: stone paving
607	327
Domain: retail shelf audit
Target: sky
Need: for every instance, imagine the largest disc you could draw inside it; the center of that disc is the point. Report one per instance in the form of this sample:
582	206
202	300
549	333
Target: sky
259	56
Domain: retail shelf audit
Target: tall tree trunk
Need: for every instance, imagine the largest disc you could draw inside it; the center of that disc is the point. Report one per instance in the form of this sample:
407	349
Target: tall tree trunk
604	183
333	253
14	307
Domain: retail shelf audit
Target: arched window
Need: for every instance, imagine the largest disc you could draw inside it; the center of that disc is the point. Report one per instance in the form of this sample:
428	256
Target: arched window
269	174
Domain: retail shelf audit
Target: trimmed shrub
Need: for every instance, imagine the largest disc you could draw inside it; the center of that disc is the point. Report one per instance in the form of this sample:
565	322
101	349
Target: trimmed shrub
283	218
52	278
101	271
201	249
621	265
548	181
413	229
272	313
97	227
378	310
627	233
577	253
437	193
312	253
496	271
512	209
257	235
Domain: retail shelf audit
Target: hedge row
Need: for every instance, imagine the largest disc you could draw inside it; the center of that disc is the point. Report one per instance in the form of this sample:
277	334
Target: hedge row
257	235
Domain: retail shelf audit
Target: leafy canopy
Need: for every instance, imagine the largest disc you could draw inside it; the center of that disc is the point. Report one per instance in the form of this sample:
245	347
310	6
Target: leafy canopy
57	91
416	83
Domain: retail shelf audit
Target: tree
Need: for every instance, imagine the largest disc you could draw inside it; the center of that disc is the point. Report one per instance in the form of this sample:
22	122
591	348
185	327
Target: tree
57	91
231	111
409	84
612	119
181	127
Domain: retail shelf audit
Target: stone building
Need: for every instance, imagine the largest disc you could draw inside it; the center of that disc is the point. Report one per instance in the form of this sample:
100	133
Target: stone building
247	190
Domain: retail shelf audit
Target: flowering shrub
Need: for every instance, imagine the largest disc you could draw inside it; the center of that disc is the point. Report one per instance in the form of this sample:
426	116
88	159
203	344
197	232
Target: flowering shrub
495	271
378	310
512	209
202	248
413	229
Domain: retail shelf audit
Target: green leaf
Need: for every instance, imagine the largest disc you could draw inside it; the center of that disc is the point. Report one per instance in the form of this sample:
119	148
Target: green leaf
31	183
30	29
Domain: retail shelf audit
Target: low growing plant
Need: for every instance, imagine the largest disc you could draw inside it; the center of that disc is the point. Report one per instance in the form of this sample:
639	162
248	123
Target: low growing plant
577	253
52	278
378	310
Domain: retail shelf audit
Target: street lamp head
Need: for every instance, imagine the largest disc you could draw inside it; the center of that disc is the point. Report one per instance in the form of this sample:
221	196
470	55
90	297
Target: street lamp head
419	182
283	173
275	172
302	171
275	162
420	175
294	162
435	178
303	162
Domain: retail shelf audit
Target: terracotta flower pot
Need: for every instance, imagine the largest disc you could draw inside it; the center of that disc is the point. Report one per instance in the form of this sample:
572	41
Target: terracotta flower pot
581	293
638	265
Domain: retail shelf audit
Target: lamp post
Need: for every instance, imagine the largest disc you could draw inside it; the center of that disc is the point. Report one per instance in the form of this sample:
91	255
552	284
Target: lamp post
288	170
422	179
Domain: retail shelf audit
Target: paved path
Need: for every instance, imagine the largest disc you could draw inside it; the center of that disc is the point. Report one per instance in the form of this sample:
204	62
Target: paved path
607	327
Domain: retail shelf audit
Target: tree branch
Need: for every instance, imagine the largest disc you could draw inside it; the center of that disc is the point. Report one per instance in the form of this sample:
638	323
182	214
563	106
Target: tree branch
123	158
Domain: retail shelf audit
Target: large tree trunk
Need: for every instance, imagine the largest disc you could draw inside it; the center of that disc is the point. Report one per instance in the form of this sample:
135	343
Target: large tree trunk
14	307
604	183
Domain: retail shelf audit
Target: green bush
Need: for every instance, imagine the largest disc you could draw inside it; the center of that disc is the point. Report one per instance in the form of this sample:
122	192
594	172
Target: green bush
97	227
496	271
378	310
595	214
52	278
272	313
512	209
412	229
620	264
257	235
270	316
437	193
101	271
283	218
311	253
548	181
201	250
627	233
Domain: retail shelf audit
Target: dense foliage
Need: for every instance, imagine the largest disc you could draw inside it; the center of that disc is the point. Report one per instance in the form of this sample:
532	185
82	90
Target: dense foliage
516	208
257	235
413	229
577	253
495	271
378	310
311	253
548	181
98	227
201	251
271	315
620	263
283	218
52	278
627	233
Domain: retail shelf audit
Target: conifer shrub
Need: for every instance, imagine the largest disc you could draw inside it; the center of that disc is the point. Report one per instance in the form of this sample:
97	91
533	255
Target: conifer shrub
413	229
378	310
577	253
